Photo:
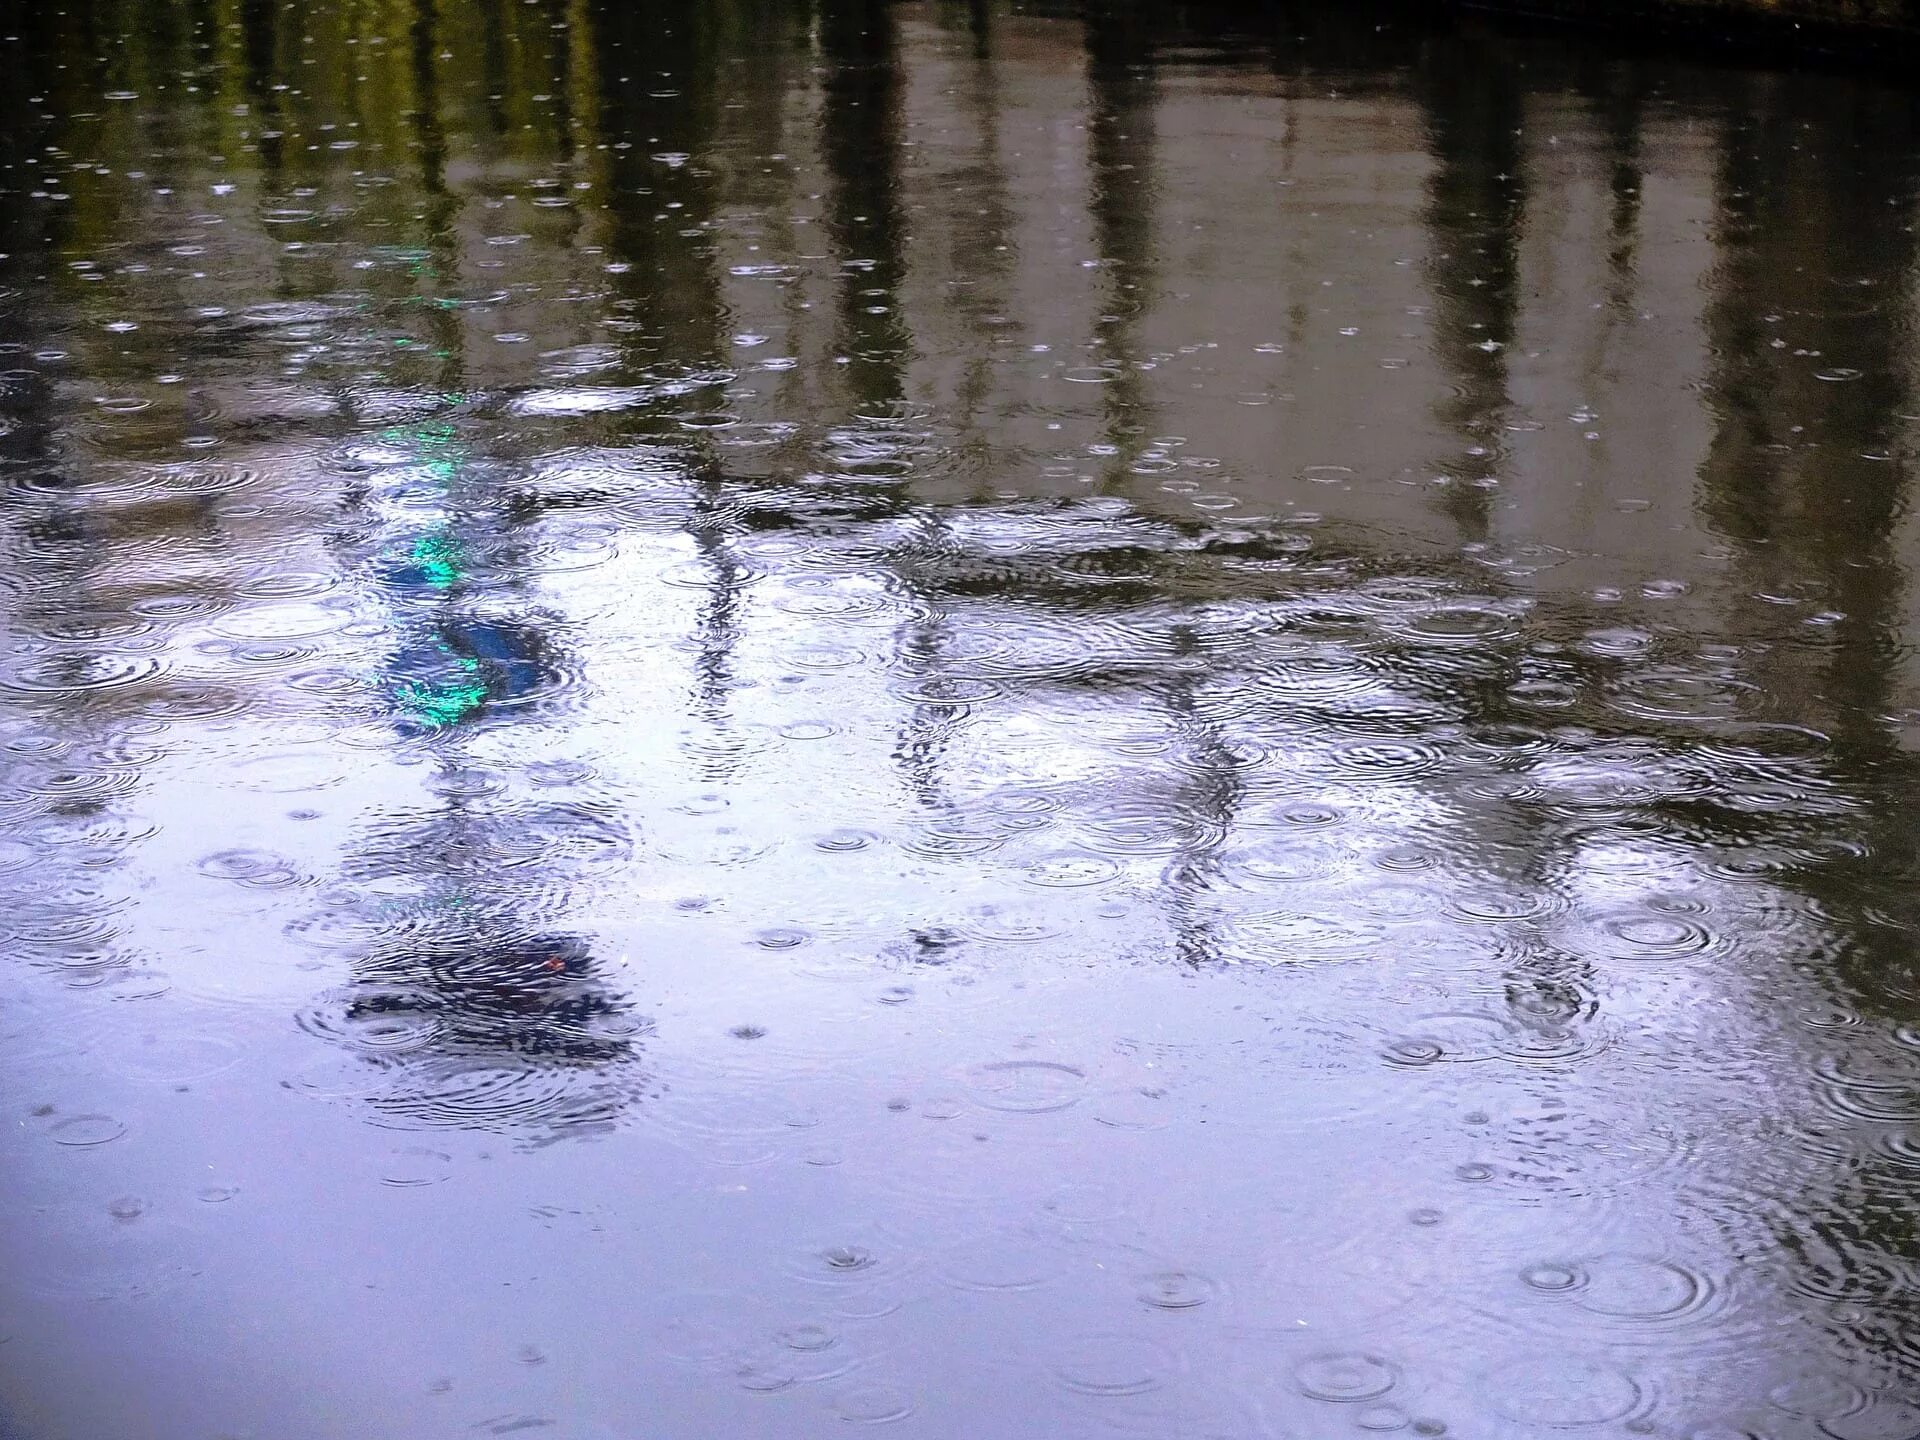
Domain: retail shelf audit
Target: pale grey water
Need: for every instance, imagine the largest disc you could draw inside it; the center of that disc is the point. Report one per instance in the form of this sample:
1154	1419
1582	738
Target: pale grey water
735	720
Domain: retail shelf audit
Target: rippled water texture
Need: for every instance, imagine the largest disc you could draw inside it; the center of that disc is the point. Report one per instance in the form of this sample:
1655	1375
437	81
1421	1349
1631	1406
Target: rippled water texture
724	719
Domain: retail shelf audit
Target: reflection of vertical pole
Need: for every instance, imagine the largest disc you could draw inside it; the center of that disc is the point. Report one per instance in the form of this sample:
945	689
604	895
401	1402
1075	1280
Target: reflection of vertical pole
1120	74
860	127
493	56
675	292
1622	109
1802	472
259	44
1808	327
1802	475
1121	144
1475	209
980	21
441	207
27	437
1213	793
860	140
984	236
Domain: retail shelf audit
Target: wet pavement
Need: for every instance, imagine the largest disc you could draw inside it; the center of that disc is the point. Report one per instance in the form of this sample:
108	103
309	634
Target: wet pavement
729	719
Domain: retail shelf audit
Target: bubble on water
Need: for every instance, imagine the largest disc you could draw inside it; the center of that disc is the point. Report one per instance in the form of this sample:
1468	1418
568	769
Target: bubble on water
412	1166
1660	937
1820	1396
1112	1364
873	1405
1174	1290
1554	1278
1884	1416
375	1019
846	1259
1562	1390
1027	1087
256	869
1137	1107
82	1131
698	1327
1345	1376
1072	870
1450	1037
807	1337
1004	1262
843	841
1382	1418
1631	1287
765	1373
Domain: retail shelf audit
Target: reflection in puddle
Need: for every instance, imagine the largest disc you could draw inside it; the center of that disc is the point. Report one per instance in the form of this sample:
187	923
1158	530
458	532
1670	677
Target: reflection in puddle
1117	723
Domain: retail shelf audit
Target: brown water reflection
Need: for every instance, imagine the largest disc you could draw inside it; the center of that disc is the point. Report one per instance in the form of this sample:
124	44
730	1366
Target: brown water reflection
1151	721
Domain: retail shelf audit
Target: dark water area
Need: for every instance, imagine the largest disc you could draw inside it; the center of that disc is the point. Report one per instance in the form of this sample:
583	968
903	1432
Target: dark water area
731	719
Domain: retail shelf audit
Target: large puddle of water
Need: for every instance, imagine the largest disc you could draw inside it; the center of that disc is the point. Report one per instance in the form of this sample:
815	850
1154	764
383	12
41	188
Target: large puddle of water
736	720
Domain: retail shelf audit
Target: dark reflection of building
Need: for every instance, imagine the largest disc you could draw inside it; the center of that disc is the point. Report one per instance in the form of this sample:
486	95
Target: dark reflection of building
1811	392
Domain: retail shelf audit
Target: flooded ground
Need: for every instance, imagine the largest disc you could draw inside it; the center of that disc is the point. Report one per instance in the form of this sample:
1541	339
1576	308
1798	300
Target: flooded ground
728	720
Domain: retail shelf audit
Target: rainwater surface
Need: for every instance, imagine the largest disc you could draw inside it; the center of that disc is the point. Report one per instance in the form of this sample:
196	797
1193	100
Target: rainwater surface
747	719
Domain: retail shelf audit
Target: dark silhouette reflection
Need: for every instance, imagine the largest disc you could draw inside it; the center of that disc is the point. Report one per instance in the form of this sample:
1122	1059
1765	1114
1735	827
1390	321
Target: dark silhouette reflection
872	449
859	136
1811	387
472	1008
478	1007
537	997
1471	95
475	1003
1120	72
